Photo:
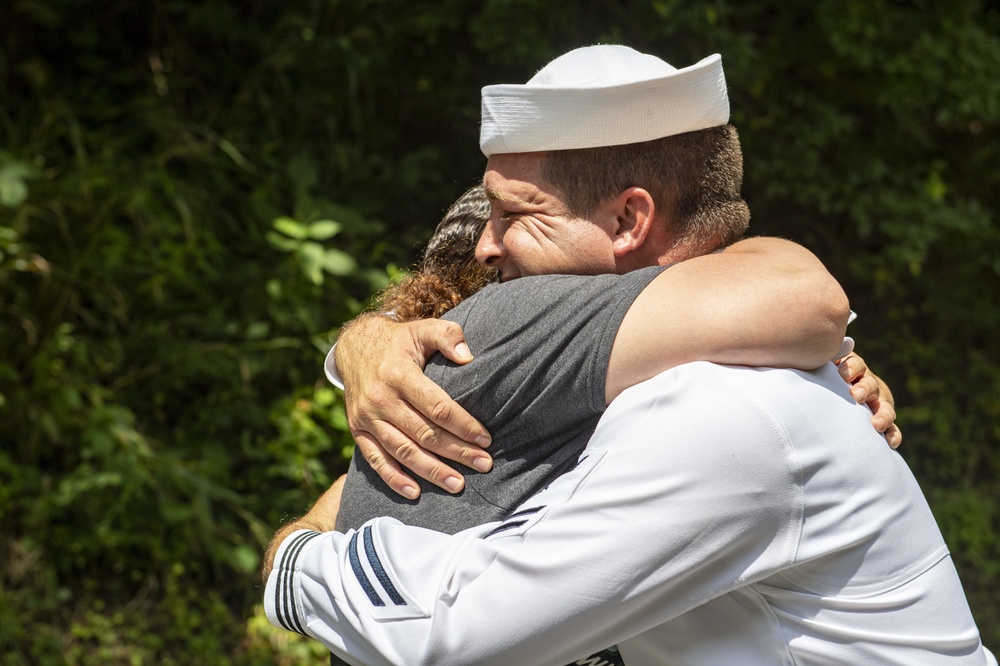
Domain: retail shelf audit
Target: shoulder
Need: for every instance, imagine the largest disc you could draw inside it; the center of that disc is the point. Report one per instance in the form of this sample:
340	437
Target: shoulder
704	409
543	292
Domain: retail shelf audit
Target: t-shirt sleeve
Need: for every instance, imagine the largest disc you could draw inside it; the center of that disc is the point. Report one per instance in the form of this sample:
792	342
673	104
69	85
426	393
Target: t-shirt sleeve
539	343
537	383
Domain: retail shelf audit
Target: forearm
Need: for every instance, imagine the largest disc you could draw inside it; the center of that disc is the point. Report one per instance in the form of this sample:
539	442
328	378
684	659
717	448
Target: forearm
322	517
762	302
356	340
556	607
755	311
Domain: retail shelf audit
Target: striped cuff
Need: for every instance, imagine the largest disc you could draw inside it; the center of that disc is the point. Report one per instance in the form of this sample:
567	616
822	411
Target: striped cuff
279	596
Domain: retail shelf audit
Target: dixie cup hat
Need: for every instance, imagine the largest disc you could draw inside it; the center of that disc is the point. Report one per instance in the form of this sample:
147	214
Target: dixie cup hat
602	95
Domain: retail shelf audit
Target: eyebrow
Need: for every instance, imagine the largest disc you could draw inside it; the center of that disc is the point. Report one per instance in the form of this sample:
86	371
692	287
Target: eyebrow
499	196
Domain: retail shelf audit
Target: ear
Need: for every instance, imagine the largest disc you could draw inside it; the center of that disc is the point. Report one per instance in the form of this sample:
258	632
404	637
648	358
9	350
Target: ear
635	211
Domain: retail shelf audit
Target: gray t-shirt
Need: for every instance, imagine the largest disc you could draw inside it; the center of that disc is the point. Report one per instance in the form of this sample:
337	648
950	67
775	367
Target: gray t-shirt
541	347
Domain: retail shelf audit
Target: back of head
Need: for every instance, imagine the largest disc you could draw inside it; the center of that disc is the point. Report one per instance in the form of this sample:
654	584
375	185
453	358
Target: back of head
454	241
613	118
448	273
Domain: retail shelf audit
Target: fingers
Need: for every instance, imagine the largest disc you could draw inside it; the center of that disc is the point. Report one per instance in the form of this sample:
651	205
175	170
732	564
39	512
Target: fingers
410	409
854	370
385	466
446	416
393	430
867	388
402	421
390	451
443	336
851	367
884	421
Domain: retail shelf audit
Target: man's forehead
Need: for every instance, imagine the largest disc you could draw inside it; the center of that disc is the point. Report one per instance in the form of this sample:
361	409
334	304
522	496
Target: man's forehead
515	177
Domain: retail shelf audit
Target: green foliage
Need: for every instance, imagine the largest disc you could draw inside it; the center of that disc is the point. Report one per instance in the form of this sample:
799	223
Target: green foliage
195	195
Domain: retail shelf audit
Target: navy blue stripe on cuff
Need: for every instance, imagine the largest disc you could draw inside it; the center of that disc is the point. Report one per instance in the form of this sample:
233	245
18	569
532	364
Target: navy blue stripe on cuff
285	608
380	572
360	574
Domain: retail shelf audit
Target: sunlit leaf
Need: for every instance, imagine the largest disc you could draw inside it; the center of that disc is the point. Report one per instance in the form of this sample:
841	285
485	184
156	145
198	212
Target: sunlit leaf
337	262
13	191
311	259
323	229
282	242
291	227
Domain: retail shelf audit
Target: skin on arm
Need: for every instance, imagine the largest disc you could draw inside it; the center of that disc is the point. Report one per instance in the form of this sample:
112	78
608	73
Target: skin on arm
399	416
753	304
761	302
320	518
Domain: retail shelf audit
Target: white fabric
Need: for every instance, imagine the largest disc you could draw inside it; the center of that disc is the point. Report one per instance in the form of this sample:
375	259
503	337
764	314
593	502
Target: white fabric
719	516
333	374
602	95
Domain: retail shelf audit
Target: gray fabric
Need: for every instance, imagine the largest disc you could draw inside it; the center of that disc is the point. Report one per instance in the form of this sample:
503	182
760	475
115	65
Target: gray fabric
541	347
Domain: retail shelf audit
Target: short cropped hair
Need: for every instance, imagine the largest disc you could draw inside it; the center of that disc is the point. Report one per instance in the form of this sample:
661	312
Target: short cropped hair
694	179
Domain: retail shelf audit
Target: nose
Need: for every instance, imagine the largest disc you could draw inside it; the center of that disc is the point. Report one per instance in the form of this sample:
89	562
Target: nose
490	250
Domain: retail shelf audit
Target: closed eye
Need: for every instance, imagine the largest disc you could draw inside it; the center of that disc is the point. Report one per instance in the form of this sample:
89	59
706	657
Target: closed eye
507	217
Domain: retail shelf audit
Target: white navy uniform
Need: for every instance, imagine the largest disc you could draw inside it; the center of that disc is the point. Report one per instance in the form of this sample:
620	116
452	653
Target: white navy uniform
718	515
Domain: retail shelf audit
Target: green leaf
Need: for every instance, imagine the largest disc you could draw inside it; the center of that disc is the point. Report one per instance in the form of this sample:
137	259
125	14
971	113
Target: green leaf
14	175
13	191
337	262
282	242
323	229
311	260
245	558
302	170
291	227
258	330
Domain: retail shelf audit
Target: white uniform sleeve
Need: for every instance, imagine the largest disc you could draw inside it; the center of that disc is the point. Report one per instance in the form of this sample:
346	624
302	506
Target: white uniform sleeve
670	506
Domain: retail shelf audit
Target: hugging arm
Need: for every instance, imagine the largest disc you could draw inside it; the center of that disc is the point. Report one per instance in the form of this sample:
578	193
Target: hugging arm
399	416
394	594
320	518
746	321
761	302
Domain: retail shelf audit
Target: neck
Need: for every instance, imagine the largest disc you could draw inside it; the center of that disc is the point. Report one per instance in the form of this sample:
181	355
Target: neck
663	249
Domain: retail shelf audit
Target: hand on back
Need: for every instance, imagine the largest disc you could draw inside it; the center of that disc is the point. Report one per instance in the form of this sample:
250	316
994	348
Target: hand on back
869	389
397	415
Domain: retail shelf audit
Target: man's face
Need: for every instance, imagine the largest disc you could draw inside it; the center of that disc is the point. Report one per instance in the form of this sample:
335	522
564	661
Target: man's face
531	231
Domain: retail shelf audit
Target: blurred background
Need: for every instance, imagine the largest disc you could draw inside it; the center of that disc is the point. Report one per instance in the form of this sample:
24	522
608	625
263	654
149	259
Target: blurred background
195	195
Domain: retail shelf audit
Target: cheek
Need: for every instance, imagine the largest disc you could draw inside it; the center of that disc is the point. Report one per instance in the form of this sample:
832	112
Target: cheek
597	257
536	249
525	239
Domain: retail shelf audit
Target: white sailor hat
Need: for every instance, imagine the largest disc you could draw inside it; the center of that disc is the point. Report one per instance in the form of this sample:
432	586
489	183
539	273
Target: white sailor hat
602	95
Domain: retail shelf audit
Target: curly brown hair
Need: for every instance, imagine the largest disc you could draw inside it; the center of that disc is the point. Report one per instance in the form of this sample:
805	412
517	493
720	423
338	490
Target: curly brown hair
448	273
